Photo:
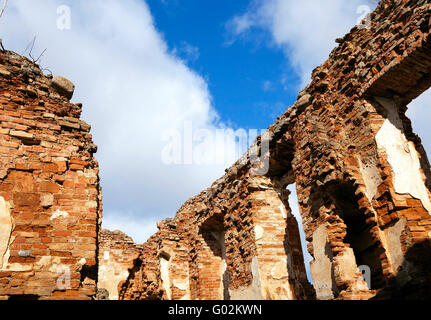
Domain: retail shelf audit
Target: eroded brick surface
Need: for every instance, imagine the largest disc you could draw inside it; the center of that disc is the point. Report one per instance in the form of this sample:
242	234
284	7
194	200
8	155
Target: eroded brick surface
50	200
363	183
362	176
232	241
117	253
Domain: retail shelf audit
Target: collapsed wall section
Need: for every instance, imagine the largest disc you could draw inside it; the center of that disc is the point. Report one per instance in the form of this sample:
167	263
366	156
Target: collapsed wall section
117	252
363	182
144	280
232	241
362	175
50	199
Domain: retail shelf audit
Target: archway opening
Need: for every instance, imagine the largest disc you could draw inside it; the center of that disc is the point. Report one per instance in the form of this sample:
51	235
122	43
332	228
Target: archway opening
294	206
359	233
214	278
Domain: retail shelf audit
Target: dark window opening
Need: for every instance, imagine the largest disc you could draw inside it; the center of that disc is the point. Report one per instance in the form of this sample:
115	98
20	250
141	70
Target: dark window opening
359	236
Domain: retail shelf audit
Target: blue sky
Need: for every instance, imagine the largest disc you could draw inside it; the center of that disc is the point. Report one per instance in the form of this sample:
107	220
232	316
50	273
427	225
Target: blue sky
244	77
145	69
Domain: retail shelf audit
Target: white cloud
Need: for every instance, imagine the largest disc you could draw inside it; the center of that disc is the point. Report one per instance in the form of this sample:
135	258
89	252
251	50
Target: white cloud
304	30
137	227
266	85
132	89
240	24
187	51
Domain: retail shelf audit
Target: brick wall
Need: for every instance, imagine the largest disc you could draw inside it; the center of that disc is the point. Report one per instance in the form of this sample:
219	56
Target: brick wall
232	241
362	176
50	201
117	252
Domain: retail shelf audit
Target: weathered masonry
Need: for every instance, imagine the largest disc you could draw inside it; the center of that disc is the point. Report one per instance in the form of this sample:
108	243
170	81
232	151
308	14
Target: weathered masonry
362	177
50	200
363	182
236	240
117	252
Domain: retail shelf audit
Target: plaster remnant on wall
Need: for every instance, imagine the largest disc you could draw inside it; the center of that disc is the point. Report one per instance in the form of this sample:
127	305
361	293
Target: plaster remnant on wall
47	200
346	269
111	276
18	267
252	292
279	271
371	175
283	211
401	155
258	231
59	214
43	261
165	276
182	285
6	226
56	266
106	255
321	266
91	204
392	241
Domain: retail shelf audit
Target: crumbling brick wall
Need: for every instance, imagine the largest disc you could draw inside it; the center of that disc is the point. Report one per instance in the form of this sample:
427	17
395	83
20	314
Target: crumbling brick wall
50	199
362	176
117	252
143	282
232	241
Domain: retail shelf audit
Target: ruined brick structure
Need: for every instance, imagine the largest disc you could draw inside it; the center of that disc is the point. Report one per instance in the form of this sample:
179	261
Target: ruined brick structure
117	253
236	240
362	177
50	200
143	282
363	182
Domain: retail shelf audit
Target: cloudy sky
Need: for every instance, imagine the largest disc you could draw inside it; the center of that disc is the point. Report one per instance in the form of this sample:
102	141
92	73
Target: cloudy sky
148	71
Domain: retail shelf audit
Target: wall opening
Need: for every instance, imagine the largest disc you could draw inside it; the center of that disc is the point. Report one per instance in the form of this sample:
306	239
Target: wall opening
294	207
214	278
419	111
165	273
359	235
